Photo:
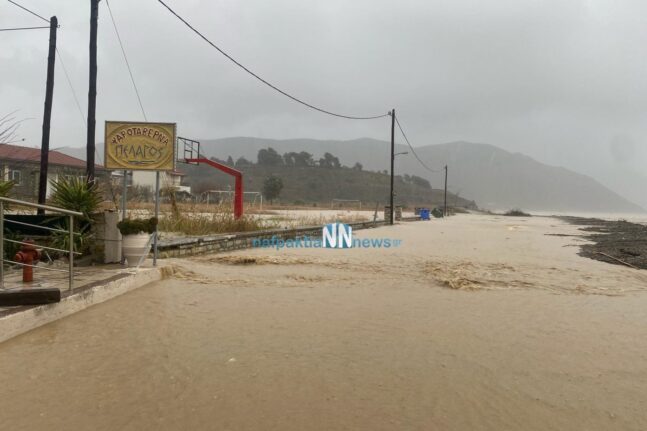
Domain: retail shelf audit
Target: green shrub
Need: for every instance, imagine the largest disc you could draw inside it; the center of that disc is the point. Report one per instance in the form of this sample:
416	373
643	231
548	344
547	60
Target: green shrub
5	188
516	213
76	194
136	226
82	241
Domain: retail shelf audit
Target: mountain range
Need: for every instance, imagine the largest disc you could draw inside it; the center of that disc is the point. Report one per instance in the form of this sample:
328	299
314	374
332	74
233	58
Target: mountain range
496	179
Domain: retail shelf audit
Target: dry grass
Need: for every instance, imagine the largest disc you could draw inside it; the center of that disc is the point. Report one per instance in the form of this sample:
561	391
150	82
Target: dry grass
317	220
202	224
201	219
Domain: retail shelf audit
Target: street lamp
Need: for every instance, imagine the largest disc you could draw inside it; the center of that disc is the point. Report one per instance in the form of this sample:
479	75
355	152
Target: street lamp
398	154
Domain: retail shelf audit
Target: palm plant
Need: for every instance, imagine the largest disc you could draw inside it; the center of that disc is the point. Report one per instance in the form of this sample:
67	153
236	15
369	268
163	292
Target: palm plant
5	188
76	194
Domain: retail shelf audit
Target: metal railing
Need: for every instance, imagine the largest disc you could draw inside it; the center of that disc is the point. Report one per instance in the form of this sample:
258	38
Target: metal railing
70	232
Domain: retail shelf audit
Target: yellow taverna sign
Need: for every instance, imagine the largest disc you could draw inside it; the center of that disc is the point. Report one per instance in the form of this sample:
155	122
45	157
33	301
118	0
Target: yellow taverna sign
140	146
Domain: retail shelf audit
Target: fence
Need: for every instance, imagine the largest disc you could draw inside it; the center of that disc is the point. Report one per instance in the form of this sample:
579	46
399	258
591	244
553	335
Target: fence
70	237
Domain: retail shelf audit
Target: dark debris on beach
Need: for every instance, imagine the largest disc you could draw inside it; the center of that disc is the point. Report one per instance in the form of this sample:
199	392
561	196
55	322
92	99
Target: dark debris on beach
618	242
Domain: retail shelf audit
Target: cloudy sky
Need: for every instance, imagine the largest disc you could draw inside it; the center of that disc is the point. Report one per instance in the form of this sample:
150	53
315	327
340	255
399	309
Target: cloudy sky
563	81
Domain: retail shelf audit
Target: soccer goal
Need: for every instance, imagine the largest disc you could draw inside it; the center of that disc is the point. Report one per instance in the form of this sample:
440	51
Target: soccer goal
250	199
345	203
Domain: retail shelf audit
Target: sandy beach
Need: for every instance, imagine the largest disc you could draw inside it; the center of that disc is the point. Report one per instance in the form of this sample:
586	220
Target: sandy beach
474	323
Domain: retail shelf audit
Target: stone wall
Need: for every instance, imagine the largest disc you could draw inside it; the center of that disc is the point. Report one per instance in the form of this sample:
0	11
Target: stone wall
182	247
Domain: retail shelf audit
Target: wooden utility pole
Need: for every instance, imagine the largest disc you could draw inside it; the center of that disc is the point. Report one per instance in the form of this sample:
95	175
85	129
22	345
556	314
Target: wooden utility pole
92	92
47	114
392	210
445	204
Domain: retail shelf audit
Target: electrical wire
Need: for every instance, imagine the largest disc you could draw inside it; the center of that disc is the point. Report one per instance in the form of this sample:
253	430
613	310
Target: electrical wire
27	10
23	28
412	150
123	51
237	63
76	100
164	178
69	82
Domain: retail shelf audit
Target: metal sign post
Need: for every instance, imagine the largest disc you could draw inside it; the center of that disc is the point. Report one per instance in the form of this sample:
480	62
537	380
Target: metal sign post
157	214
141	146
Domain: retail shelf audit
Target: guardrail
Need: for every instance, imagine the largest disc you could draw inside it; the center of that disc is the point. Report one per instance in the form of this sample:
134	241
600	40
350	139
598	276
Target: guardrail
70	232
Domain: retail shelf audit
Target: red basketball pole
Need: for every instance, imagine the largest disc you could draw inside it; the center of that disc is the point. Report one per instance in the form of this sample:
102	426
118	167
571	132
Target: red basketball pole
238	188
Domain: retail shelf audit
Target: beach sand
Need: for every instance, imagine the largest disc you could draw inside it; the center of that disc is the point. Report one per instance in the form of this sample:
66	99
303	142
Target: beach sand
473	323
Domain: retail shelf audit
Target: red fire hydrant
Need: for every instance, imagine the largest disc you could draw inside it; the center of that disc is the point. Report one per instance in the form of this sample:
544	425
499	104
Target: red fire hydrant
27	255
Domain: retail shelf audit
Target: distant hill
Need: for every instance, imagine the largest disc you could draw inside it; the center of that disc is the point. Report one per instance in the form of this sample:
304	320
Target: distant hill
310	185
494	178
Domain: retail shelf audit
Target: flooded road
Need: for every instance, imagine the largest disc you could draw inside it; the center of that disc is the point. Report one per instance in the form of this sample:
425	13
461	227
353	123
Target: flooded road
327	341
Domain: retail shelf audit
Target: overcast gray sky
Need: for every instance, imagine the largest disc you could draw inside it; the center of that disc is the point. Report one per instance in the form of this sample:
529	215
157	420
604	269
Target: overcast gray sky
562	81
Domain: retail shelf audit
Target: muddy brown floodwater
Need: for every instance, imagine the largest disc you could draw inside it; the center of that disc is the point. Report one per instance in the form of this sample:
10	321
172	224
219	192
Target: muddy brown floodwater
442	333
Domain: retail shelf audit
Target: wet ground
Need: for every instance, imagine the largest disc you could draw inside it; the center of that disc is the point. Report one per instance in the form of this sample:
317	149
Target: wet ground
617	242
475	323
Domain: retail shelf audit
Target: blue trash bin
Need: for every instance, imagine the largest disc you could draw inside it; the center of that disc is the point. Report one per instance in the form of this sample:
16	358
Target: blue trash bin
424	214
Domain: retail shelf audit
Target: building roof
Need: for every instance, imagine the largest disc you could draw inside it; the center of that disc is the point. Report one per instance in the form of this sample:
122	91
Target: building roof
27	154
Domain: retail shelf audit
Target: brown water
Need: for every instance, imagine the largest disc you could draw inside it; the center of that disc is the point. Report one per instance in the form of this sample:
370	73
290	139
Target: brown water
321	341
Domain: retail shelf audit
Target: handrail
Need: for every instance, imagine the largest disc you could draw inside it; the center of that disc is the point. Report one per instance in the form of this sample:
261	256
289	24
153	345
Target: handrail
70	232
51	229
40	246
40	206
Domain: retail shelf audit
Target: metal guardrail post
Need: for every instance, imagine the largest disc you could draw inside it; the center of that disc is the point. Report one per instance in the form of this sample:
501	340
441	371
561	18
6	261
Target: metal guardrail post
1	245
71	259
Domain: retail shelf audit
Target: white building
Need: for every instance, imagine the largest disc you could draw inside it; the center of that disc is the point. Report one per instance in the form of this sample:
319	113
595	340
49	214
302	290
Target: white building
167	179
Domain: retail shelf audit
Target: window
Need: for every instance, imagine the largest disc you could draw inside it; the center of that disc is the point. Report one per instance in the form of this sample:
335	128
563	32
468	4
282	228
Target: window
16	177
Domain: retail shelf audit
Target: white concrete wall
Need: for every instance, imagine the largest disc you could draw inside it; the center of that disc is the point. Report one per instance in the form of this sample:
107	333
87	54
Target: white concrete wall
147	179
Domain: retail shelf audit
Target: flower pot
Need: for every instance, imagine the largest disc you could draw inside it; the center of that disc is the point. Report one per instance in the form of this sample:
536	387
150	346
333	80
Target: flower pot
134	247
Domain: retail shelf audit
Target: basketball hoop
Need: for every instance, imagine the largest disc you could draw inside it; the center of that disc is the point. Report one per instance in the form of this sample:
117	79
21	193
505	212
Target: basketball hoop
188	151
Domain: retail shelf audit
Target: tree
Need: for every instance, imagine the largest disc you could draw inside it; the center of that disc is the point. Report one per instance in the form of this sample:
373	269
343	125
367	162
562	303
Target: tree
329	161
269	157
419	181
230	161
289	158
243	162
301	160
272	187
358	166
304	159
8	128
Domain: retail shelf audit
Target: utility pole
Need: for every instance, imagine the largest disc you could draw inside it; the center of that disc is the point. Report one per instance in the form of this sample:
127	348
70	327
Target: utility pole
92	92
392	161
445	204
47	114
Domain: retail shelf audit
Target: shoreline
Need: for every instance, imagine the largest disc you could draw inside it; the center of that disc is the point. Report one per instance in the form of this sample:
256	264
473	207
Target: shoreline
617	242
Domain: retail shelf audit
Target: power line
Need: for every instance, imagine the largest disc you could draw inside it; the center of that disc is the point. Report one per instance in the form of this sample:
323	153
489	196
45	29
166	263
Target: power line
123	51
27	10
412	150
233	60
23	28
69	82
76	100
